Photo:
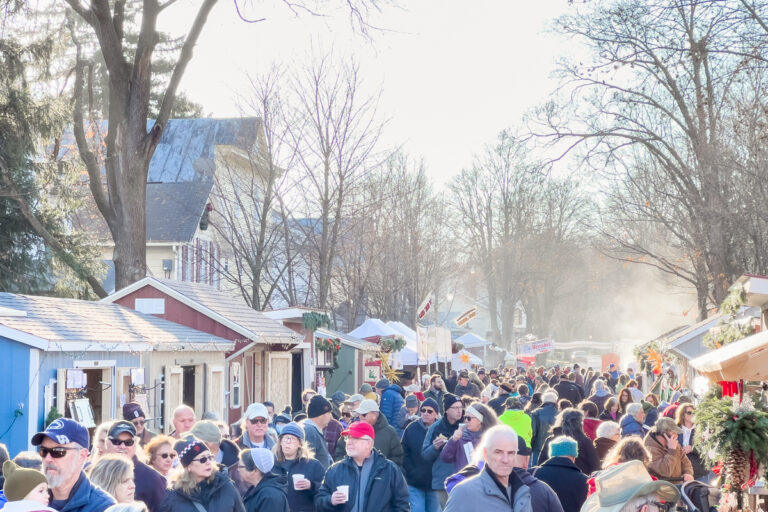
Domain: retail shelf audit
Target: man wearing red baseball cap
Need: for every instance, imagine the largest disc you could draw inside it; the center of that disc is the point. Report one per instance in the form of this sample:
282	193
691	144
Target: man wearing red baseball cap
364	480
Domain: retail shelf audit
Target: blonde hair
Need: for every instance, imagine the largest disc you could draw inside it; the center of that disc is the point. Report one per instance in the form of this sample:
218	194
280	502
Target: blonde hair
186	482
109	472
303	454
136	506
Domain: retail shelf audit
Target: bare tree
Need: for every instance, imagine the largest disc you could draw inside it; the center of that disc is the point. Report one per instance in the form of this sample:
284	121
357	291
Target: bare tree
648	113
335	134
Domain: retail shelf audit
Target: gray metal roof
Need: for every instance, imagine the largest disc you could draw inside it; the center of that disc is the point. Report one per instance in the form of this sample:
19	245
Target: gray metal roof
105	325
233	309
186	148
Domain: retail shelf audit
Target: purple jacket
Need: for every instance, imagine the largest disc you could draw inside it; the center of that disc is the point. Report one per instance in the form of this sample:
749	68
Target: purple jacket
454	450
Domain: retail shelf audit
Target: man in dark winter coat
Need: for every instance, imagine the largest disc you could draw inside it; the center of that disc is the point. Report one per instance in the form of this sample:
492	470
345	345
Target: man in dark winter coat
373	483
387	442
497	404
64	449
268	490
562	475
542	420
418	472
150	485
436	391
464	387
435	440
570	391
318	417
451	382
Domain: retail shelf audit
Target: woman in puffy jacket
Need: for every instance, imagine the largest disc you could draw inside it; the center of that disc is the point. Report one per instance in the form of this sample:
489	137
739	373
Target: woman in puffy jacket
295	460
459	448
200	484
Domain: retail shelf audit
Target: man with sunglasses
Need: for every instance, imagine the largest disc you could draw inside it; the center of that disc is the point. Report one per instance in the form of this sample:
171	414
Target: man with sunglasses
133	412
64	449
418	471
255	428
150	485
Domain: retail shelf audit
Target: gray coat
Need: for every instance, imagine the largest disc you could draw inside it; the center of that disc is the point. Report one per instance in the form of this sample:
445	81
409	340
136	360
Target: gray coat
316	440
481	493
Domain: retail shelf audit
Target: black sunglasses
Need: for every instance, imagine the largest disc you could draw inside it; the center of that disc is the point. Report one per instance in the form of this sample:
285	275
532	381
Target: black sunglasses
256	421
202	460
428	411
57	452
118	442
167	455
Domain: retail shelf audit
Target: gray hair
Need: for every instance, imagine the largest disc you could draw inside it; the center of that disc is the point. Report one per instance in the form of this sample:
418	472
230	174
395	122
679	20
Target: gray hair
598	385
607	429
492	433
634	409
549	397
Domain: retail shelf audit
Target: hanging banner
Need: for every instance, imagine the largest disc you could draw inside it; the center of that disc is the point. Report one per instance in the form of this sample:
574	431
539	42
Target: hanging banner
536	347
466	316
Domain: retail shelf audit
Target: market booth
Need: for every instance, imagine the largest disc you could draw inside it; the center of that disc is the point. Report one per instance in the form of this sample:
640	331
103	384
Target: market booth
746	359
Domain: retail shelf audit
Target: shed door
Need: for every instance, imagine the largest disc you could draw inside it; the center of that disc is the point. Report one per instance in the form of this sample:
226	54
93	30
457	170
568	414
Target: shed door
279	379
216	390
174	387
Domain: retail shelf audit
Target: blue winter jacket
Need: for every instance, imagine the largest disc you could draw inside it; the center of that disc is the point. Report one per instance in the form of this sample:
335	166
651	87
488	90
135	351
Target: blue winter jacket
631	427
440	469
391	402
86	497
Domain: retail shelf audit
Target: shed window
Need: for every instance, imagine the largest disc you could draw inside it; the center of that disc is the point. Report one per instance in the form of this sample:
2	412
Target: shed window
234	386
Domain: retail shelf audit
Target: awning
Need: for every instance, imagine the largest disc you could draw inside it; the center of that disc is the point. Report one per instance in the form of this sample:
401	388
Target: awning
744	359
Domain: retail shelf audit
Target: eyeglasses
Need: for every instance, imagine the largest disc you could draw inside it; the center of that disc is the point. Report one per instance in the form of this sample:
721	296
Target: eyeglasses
457	407
257	421
203	460
118	442
167	455
689	413
139	423
56	452
428	411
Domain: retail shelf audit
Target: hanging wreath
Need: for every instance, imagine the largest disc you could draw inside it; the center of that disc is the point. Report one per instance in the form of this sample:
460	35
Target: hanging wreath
729	329
330	345
392	344
312	321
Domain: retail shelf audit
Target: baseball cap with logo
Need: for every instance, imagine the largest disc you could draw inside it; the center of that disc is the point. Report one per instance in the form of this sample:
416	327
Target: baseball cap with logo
367	406
63	431
359	430
120	427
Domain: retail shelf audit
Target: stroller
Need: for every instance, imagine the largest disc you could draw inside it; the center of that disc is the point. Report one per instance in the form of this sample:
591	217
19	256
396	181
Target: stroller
699	497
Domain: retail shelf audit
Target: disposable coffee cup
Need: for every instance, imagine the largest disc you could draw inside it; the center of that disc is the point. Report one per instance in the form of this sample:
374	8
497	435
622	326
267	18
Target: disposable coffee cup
296	479
345	490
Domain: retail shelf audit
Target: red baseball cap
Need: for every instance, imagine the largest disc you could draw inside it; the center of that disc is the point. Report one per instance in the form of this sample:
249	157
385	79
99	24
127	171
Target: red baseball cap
360	429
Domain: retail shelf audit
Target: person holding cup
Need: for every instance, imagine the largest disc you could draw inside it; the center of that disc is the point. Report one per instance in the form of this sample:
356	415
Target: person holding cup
363	480
295	460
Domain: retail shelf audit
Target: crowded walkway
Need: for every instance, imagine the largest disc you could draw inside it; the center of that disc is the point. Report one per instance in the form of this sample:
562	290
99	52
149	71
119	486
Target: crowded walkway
540	439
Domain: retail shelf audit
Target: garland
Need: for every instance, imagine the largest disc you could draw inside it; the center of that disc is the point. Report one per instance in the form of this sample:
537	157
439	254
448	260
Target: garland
392	344
311	321
330	345
724	425
729	330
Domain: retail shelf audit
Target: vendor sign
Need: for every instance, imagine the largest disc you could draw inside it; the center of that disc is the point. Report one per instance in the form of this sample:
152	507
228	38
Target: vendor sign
536	347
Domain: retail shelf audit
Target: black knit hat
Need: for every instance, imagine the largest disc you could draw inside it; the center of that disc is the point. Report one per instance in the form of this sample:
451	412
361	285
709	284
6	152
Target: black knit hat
449	399
318	405
189	448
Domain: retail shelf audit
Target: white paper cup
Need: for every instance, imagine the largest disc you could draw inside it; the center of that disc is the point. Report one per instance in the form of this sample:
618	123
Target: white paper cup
296	478
345	490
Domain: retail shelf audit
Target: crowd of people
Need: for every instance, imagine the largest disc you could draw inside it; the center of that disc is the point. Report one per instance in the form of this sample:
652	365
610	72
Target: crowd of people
556	439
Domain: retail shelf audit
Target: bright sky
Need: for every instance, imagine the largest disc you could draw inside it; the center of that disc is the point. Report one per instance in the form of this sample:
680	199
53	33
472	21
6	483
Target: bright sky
452	73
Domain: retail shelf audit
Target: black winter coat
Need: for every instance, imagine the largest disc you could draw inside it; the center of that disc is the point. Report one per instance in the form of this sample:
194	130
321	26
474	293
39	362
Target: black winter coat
268	496
418	471
219	495
497	404
386	489
587	461
570	391
566	479
150	485
301	501
542	420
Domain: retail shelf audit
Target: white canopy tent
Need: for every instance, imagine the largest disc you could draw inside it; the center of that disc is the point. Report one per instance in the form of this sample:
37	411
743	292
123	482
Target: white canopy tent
373	327
408	356
472	340
463	360
745	359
